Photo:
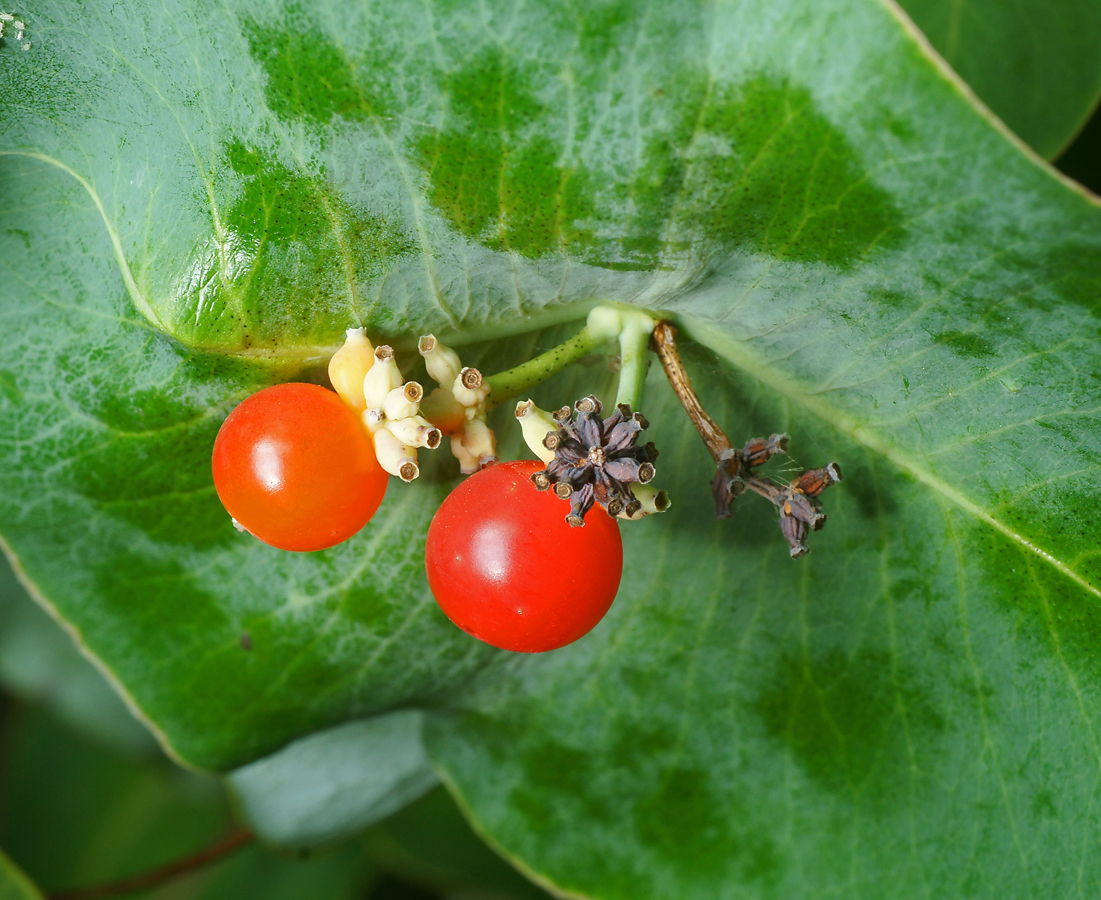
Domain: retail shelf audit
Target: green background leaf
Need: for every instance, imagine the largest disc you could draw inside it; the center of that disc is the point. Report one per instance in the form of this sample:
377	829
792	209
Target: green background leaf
1037	65
334	783
872	267
14	885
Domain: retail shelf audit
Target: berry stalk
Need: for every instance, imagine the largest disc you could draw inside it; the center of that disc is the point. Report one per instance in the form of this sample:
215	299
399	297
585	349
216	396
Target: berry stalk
602	326
634	341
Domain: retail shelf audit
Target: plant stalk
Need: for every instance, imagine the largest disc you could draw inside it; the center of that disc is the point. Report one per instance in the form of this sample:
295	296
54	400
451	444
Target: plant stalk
714	438
162	874
634	342
506	385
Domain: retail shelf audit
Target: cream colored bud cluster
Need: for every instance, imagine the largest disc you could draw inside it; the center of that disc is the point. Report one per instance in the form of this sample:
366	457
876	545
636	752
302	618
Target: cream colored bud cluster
536	424
367	379
458	405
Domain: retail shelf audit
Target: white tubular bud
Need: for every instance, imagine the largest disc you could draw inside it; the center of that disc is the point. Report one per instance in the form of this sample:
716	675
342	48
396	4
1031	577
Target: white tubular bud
415	432
468	462
349	366
381	378
373	419
535	423
395	457
652	500
403	401
442	362
479	443
470	389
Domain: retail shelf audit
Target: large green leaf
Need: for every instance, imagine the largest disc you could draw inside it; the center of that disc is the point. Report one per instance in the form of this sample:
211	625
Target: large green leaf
875	266
1036	64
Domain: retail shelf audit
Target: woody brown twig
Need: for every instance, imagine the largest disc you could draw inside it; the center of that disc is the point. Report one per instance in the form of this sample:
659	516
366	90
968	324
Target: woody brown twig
729	480
714	438
797	503
162	874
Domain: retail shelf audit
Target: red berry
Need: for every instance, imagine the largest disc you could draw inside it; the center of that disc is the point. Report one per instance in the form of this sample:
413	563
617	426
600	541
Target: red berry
295	466
505	567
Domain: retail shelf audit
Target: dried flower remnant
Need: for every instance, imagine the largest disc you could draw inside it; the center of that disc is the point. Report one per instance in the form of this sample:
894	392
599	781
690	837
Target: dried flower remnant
8	20
537	424
797	503
597	460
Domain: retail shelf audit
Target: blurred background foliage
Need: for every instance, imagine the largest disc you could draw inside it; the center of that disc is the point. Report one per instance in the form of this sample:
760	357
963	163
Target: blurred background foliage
1082	159
87	798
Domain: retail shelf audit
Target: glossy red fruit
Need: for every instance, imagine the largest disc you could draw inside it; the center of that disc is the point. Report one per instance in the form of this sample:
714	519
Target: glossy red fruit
294	465
505	567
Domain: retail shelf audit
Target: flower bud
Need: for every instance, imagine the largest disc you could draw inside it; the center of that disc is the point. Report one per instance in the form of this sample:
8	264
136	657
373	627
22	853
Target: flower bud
468	462
604	322
442	362
536	424
373	419
403	401
381	378
415	431
650	501
394	456
470	389
474	446
349	366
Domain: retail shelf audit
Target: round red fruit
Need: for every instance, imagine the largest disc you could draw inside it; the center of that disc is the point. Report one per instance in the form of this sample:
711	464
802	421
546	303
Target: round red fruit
505	567
294	465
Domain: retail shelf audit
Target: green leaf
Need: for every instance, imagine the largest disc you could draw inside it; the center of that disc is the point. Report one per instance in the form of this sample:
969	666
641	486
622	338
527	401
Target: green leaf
76	814
333	784
1036	64
38	662
429	844
14	885
870	264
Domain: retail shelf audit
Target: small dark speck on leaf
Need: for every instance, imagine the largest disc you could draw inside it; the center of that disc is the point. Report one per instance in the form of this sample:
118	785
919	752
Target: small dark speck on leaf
246	641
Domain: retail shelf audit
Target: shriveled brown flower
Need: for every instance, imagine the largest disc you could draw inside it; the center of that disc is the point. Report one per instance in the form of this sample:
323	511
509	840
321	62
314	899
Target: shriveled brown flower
797	502
596	459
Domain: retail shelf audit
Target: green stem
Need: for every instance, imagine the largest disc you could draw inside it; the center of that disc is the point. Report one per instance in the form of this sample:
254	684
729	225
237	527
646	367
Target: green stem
506	385
634	341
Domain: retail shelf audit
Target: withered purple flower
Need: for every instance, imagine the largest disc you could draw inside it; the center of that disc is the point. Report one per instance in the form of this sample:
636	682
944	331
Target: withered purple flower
596	459
797	503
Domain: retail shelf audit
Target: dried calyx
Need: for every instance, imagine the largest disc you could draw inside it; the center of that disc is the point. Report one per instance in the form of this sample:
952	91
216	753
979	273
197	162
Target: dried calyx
797	502
596	460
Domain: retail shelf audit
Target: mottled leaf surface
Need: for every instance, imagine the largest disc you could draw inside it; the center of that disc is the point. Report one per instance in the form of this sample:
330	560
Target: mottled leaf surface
200	198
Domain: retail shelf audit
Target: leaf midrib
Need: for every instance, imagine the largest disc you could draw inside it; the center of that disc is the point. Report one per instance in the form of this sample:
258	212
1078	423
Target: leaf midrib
738	354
